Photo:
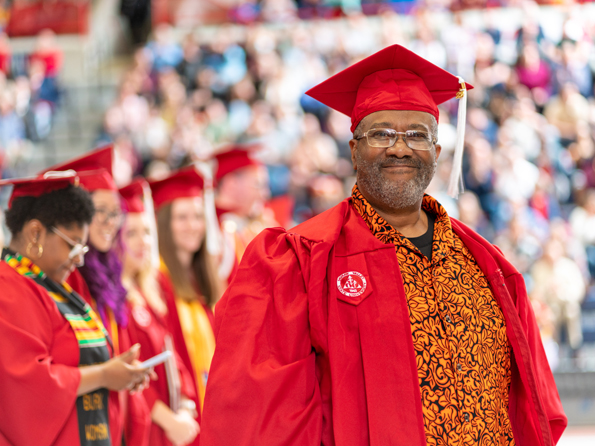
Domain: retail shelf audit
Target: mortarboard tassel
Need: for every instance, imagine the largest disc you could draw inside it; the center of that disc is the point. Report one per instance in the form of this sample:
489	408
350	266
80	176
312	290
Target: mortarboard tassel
455	184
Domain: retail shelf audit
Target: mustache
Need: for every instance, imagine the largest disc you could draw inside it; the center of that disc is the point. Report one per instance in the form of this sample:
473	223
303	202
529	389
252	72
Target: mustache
409	162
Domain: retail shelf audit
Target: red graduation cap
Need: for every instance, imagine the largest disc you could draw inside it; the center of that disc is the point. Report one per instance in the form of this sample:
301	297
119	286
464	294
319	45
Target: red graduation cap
44	184
391	79
183	183
99	160
133	196
233	158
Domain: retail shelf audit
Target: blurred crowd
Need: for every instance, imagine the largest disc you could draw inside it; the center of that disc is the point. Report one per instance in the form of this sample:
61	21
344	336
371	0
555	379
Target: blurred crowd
530	147
29	95
287	11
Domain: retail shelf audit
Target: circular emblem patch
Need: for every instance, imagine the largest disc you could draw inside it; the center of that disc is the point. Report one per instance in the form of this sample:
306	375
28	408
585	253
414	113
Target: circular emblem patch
351	284
141	316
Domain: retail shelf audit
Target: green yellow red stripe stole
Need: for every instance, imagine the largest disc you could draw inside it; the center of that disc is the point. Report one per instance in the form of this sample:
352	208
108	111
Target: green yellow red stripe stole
92	338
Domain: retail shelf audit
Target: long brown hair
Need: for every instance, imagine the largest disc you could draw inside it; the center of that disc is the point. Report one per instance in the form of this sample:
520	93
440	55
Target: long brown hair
203	267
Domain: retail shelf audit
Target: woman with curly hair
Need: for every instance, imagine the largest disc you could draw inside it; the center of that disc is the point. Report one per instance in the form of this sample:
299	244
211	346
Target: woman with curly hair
55	366
98	281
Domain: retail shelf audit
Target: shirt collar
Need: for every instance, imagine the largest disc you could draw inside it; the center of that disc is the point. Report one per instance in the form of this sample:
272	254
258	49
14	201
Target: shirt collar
444	239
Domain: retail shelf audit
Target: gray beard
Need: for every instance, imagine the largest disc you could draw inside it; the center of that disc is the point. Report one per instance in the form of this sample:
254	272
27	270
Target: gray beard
394	194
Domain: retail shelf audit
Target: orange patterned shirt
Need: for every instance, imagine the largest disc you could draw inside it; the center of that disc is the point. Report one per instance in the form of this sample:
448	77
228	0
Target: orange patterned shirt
459	334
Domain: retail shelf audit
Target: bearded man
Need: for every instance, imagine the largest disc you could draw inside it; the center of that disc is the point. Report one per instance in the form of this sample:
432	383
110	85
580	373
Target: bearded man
382	321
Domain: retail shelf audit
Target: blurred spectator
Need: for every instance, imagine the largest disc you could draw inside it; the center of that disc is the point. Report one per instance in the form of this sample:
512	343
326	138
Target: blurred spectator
574	67
45	64
535	74
12	128
472	215
191	62
519	242
164	51
316	152
428	47
559	284
582	222
12	131
456	36
29	95
566	111
278	11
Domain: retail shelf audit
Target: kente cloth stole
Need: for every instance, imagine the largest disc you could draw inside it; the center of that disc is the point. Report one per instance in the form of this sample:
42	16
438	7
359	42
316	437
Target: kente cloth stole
92	337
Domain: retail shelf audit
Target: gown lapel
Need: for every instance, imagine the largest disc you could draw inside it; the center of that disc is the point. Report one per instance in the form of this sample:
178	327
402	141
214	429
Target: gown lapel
370	321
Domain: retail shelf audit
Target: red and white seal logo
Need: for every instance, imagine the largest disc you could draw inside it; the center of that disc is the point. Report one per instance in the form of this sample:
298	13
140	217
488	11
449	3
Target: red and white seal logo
141	316
351	284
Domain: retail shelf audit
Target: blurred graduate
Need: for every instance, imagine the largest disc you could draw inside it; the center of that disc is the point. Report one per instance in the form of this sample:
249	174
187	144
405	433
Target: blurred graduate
188	276
171	398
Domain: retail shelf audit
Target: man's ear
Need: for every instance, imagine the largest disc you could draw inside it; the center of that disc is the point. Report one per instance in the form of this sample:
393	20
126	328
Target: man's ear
438	151
353	147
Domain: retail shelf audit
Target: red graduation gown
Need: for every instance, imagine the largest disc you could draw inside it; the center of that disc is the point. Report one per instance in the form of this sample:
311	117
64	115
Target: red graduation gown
149	330
297	362
128	414
173	322
39	374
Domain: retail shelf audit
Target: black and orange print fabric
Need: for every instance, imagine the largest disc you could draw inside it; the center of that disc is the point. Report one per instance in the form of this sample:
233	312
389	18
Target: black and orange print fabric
459	334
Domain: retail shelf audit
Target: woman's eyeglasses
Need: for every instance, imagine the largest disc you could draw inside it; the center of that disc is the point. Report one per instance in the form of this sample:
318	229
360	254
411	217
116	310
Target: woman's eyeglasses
103	216
76	249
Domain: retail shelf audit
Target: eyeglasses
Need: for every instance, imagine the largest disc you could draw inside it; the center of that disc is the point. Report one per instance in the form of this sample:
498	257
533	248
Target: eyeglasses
76	249
103	216
385	138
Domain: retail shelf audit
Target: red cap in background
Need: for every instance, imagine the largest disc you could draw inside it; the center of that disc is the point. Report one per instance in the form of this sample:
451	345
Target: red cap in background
233	158
133	196
391	79
183	183
282	207
97	160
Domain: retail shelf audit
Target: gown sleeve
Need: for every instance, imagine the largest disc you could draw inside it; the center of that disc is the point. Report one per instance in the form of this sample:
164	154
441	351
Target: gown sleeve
37	395
262	384
545	379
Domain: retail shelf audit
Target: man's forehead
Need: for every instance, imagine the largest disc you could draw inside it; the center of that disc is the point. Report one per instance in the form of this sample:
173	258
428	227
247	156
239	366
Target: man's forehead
397	118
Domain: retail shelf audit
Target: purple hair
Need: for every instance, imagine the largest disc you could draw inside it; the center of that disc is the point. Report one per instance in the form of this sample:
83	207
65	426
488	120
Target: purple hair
103	272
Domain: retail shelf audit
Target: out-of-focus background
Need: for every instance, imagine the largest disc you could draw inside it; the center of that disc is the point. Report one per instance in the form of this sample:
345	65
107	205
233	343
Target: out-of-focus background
166	81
